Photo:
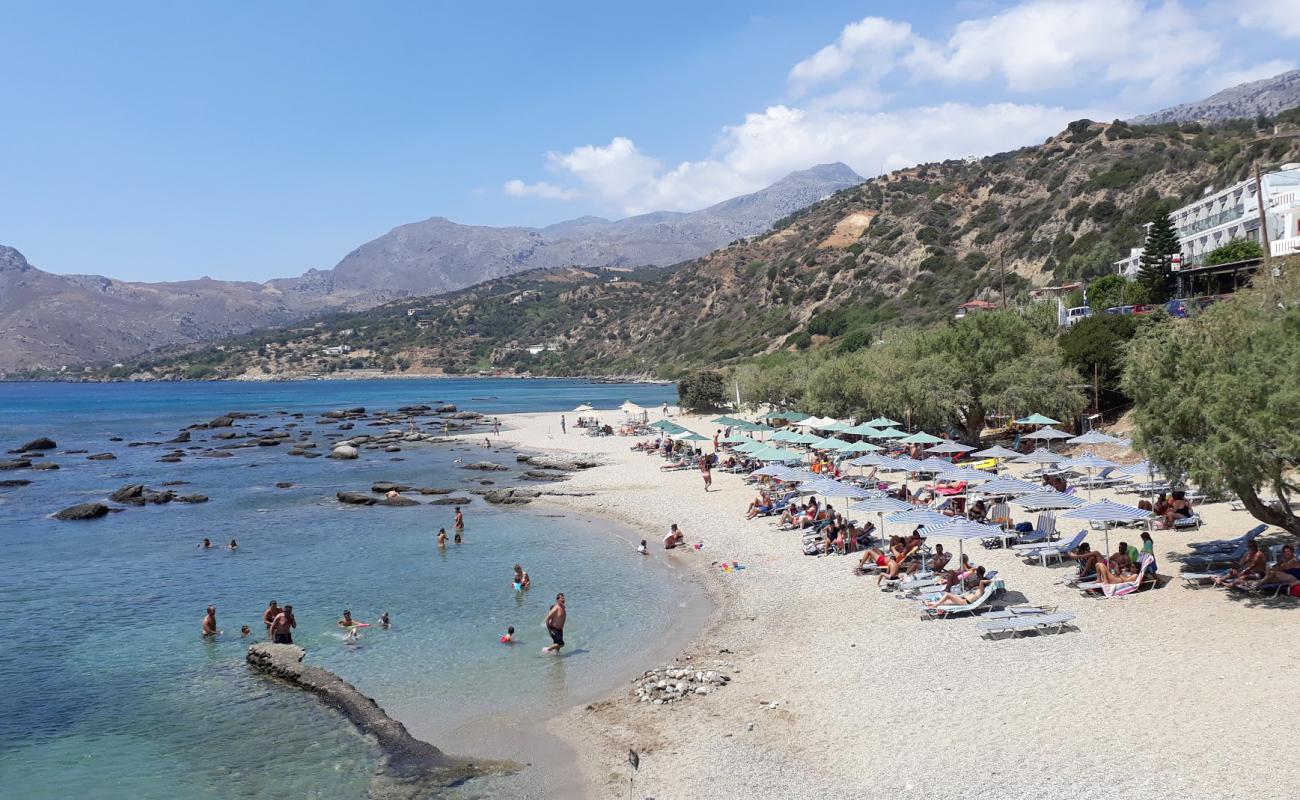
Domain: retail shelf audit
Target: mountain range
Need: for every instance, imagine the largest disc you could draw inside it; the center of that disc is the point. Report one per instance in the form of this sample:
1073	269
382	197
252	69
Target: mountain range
48	321
1269	96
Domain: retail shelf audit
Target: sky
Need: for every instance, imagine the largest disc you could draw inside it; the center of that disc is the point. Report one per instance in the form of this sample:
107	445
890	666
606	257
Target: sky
244	140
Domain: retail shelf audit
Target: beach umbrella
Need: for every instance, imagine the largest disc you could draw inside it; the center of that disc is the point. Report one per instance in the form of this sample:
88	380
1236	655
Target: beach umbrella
1089	462
1040	456
723	420
997	451
826	444
949	447
890	433
860	447
1108	513
922	517
1037	419
966	474
861	430
961	529
934	463
831	488
777	454
735	438
880	506
754	427
690	436
806	438
1095	437
921	437
749	446
667	426
1007	486
1048	500
1140	469
836	427
805	422
906	465
785	435
1046	435
881	422
770	471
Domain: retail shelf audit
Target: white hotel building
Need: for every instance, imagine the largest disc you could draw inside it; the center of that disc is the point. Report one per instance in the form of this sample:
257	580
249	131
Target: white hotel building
1233	213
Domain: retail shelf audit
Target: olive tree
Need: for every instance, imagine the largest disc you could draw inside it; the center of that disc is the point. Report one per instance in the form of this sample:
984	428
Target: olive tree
1217	397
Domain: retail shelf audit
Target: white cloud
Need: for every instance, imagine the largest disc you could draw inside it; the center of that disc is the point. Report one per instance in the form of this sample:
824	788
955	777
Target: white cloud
1220	79
868	47
1281	17
549	191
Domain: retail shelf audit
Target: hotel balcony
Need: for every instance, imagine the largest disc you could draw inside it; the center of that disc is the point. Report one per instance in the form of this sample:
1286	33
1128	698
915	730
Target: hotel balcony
1285	247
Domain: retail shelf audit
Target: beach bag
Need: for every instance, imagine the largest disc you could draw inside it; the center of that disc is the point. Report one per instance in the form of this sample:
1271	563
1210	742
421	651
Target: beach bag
1295	590
1025	527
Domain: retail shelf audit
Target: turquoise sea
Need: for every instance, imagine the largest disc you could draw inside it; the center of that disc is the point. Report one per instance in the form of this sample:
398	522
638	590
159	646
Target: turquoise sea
112	694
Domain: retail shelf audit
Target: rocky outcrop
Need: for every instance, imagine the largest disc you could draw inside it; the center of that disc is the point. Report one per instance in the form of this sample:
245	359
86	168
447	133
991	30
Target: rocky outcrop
568	462
485	466
191	498
128	493
357	498
344	451
18	463
384	487
409	768
519	496
543	475
398	500
43	443
451	501
82	511
102	457
13	483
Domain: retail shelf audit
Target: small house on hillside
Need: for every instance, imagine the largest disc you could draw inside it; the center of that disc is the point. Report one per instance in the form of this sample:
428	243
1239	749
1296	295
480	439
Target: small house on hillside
974	306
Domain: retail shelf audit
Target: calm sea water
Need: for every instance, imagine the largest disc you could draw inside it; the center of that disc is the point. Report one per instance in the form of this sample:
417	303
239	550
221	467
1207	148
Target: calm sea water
111	693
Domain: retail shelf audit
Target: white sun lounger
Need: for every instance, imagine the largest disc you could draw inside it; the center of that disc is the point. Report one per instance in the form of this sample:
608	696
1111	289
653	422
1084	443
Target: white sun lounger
1057	551
946	611
1023	623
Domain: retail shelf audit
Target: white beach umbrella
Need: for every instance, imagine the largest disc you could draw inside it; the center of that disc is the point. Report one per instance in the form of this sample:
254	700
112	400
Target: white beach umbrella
961	529
950	447
1109	513
1007	486
936	464
1040	456
831	488
1048	500
1046	434
997	451
1091	463
966	474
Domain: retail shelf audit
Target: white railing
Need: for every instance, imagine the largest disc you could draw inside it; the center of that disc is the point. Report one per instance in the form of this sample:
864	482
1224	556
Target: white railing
1285	247
1289	198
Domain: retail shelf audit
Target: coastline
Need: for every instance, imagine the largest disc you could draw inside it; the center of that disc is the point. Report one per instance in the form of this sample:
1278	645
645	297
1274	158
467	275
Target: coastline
830	675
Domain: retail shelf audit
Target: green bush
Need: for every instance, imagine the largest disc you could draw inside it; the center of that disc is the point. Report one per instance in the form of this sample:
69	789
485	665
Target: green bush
1235	250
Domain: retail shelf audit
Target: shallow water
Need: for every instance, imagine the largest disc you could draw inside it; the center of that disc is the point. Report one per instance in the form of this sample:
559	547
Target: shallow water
111	693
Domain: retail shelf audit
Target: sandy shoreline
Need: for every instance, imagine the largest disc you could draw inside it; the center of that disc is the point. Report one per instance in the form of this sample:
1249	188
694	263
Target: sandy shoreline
1172	692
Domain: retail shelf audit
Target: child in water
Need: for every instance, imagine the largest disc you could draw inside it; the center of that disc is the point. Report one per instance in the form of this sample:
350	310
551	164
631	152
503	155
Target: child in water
245	632
509	636
641	548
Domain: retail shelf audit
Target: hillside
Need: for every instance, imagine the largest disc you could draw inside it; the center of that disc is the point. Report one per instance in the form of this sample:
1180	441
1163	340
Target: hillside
51	320
905	248
1269	97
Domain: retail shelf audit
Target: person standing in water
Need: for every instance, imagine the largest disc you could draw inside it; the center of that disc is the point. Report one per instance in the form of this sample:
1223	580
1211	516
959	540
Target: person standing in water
555	619
521	579
385	621
210	623
268	616
442	538
460	520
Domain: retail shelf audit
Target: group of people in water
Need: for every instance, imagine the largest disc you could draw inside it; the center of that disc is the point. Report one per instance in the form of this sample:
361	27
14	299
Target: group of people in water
207	544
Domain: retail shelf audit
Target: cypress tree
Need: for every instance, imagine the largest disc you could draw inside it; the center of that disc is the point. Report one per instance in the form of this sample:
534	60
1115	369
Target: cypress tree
1161	246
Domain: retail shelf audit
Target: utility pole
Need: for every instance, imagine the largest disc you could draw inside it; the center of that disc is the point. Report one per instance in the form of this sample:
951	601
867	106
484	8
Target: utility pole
1096	389
1263	223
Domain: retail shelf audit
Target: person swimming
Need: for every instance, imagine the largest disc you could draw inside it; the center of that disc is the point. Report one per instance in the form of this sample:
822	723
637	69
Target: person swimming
245	632
521	579
233	546
210	623
385	622
205	544
509	636
642	549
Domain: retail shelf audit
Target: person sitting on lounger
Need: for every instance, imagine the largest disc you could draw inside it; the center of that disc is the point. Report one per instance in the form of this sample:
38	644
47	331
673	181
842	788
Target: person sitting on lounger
978	512
874	556
760	505
1178	509
1120	561
1252	565
1285	572
959	574
1087	558
899	552
1106	575
938	561
973	592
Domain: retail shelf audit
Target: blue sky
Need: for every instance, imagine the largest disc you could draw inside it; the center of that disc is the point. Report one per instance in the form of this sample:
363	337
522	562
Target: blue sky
164	141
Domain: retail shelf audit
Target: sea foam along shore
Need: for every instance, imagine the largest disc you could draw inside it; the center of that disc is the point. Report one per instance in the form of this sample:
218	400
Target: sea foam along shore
840	690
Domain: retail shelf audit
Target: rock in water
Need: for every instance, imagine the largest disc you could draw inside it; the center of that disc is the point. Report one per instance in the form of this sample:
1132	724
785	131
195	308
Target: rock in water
43	443
384	487
45	465
344	451
83	511
221	422
102	457
357	498
128	493
14	483
18	463
485	466
398	501
191	498
451	501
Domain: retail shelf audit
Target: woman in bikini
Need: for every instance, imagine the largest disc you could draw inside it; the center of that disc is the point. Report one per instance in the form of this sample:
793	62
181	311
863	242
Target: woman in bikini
970	596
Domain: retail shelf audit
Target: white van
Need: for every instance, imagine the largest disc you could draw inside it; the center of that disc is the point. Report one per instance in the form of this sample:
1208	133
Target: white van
1073	315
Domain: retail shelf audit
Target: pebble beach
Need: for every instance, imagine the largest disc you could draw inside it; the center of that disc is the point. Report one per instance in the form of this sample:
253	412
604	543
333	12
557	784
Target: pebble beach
838	689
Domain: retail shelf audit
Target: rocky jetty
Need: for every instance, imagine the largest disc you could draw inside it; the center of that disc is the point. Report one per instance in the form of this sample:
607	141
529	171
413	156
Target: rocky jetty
409	768
565	462
518	496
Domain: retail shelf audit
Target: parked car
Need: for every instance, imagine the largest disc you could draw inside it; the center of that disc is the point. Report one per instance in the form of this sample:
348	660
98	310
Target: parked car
1074	315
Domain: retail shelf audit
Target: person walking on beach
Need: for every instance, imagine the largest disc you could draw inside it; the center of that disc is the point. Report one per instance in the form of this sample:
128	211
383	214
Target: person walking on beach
496	426
210	623
665	409
716	434
460	520
563	429
268	616
555	619
706	472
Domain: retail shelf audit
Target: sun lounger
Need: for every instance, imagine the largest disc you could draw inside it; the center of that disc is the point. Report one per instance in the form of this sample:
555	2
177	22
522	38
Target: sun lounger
1145	579
1221	545
1102	480
981	603
1204	561
1016	625
1057	551
1199	580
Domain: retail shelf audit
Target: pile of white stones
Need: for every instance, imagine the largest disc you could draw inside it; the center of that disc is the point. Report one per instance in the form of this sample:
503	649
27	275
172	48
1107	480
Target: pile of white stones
668	684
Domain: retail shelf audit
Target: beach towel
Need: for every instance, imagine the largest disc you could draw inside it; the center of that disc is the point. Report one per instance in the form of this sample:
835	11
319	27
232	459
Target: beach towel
1121	589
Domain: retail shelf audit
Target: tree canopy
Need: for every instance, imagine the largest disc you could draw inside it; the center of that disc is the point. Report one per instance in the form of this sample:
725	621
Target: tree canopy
1235	250
1217	397
702	391
1160	247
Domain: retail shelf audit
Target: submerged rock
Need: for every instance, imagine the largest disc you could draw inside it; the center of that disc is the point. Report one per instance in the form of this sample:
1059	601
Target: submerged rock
485	466
191	498
397	500
18	463
82	511
451	501
13	483
45	465
102	457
